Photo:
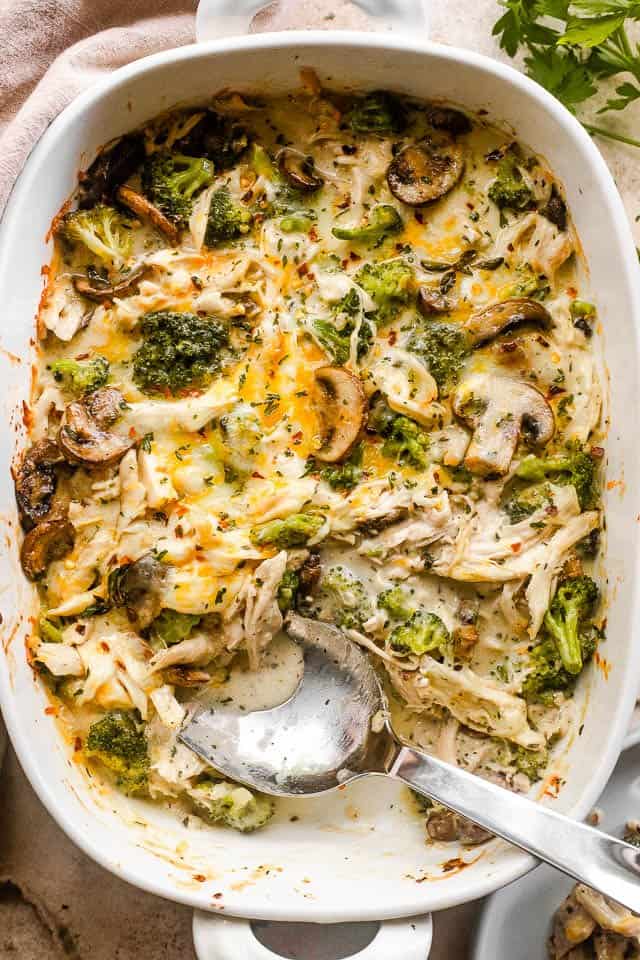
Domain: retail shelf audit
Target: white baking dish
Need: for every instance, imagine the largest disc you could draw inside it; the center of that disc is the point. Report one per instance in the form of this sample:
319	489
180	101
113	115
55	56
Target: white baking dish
354	854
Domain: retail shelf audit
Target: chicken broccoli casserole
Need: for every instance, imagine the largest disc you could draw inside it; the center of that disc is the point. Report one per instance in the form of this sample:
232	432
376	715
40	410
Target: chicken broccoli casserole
323	352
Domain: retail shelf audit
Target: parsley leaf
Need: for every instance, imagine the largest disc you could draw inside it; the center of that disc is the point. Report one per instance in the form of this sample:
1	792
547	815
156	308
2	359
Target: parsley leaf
570	46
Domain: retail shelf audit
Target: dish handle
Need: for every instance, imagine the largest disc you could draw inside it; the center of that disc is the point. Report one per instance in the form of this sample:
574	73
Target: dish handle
229	938
216	19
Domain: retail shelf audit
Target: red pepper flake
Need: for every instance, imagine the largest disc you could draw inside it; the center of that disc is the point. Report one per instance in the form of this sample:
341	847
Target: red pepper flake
393	336
297	437
303	269
597	453
553	787
50	711
257	476
77	744
105	646
516	547
217	896
313	234
199	877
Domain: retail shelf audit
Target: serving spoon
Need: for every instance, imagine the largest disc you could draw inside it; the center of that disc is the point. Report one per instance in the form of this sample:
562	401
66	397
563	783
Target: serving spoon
335	728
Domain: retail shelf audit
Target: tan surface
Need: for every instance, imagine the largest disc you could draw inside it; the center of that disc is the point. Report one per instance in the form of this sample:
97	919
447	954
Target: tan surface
58	902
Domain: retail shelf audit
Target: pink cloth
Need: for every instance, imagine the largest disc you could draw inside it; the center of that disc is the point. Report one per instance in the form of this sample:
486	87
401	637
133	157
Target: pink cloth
53	49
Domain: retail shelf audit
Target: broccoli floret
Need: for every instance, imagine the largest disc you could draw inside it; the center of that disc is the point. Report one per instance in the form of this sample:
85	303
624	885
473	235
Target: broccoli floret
81	376
378	112
341	476
351	606
232	805
509	190
170	626
288	590
50	630
383	221
300	221
227	220
564	620
172	180
405	441
583	315
262	164
546	671
102	230
574	467
119	743
396	602
295	531
444	347
532	763
389	283
335	335
422	633
180	350
529	284
522	503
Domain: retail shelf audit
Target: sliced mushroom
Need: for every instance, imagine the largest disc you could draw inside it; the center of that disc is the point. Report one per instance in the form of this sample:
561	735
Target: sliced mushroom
48	541
425	171
36	482
432	301
499	410
146	210
341	405
138	587
111	168
83	437
452	121
299	171
97	289
506	316
186	677
447	826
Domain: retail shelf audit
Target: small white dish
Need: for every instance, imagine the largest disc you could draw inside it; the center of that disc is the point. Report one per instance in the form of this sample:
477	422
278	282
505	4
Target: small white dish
516	921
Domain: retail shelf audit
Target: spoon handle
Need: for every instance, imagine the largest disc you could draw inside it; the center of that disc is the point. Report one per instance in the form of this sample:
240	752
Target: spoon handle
609	865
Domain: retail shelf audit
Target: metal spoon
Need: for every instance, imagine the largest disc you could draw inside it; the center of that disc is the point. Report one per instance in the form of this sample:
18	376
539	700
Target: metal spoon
335	728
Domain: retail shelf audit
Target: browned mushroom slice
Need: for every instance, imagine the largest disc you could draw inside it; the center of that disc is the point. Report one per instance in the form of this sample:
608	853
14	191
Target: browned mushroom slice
299	171
572	925
105	405
97	289
446	118
146	210
432	301
505	317
340	404
36	482
447	826
499	410
48	541
138	587
82	436
186	676
425	171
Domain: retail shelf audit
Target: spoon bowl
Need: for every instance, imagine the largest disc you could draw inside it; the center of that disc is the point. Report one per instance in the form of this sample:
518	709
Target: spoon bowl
321	737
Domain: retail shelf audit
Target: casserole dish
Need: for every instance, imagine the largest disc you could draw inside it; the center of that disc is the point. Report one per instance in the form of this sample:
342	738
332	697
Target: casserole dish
352	855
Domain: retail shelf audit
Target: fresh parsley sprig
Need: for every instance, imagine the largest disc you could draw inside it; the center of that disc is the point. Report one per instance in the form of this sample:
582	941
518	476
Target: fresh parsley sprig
571	46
